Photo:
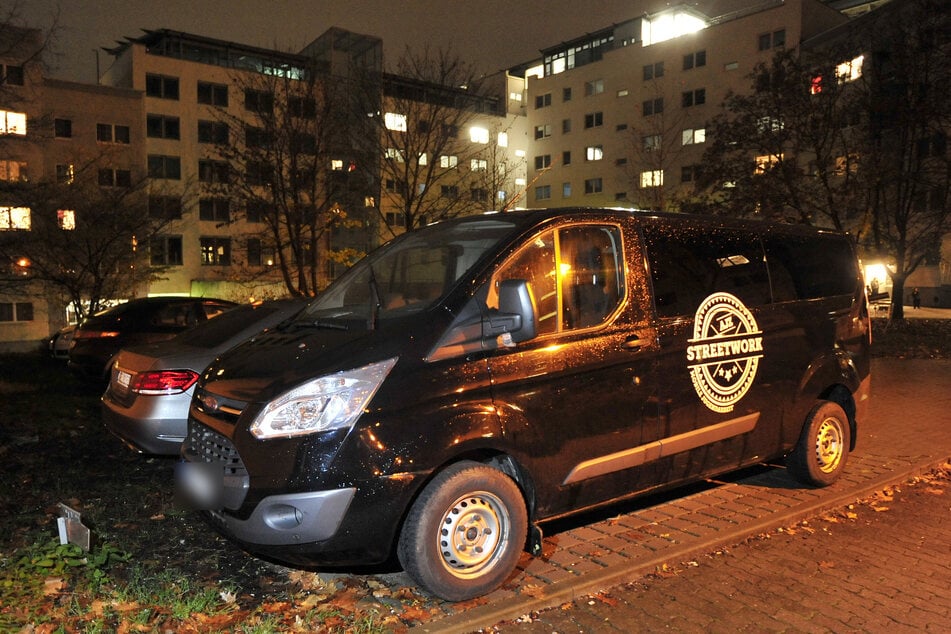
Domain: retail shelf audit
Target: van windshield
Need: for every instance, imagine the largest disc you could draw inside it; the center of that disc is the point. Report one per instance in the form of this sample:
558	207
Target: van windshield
410	273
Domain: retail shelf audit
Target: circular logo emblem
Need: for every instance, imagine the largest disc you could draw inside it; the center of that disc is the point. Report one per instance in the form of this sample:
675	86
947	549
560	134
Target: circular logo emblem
725	351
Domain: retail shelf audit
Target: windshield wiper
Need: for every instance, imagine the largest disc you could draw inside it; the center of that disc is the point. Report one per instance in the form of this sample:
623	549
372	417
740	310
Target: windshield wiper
316	323
373	321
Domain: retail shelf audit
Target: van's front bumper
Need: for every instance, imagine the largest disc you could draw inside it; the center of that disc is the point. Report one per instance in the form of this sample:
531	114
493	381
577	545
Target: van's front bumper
290	519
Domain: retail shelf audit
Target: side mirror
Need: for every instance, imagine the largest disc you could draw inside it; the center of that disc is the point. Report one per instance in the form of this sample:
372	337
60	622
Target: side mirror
516	315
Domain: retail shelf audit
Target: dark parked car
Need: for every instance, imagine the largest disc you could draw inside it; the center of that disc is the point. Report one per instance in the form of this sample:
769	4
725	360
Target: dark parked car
146	403
97	340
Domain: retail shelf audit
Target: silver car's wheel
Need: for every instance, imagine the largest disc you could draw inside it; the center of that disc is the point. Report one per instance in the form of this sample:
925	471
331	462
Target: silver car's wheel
464	534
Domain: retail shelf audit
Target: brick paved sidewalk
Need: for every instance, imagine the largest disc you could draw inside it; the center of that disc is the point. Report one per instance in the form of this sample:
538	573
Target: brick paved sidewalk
909	432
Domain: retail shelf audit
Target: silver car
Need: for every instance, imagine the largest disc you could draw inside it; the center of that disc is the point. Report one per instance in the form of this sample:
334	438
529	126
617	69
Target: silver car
146	402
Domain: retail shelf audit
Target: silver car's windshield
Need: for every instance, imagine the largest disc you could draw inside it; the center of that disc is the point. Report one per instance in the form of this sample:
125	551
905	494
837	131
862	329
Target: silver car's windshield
410	273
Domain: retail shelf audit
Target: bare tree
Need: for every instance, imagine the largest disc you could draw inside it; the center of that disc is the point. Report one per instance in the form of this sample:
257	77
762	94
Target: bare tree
84	240
286	160
431	168
908	167
786	149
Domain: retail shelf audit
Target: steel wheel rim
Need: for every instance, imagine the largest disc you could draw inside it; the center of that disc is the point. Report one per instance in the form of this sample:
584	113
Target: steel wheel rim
829	445
472	534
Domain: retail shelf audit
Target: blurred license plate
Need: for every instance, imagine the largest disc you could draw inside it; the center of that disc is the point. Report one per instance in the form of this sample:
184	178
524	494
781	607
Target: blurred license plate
123	378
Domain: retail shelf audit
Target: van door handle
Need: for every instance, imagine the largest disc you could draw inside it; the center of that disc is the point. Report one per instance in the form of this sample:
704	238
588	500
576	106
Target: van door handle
634	343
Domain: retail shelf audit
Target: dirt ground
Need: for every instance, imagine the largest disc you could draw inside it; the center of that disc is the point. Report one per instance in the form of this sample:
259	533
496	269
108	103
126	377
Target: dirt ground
54	449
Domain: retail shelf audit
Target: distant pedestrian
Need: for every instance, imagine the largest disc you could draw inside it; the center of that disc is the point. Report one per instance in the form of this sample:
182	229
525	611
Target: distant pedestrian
874	287
916	298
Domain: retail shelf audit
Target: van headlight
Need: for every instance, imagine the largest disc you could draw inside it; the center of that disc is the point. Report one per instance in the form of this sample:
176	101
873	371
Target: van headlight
329	402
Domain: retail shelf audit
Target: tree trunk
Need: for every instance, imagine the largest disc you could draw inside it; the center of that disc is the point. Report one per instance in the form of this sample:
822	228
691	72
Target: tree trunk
898	298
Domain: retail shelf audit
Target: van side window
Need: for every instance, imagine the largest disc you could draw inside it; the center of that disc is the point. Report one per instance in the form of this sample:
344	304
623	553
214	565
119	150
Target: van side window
813	266
576	275
688	264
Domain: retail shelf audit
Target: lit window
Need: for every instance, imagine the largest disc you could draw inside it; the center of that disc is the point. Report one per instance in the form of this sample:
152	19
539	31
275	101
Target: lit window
336	165
692	136
478	135
594	152
448	162
652	178
15	219
520	153
393	154
503	140
850	70
394	121
479	165
652	142
766	161
12	122
422	159
66	218
13	171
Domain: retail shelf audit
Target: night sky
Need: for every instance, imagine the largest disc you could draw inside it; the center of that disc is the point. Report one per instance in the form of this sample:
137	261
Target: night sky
499	33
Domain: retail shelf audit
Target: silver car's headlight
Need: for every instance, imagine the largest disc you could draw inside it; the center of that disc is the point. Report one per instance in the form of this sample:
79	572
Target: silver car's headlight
329	402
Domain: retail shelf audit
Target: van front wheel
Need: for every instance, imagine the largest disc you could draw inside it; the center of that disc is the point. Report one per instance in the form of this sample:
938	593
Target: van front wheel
464	534
823	447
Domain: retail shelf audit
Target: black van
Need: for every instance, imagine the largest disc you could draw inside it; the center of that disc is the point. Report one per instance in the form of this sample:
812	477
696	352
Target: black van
470	380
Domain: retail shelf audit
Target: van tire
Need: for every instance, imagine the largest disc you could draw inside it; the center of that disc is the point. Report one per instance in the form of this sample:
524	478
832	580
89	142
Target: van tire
823	448
485	510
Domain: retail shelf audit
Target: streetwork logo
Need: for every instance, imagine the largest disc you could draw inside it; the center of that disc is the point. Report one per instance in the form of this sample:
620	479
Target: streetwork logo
725	351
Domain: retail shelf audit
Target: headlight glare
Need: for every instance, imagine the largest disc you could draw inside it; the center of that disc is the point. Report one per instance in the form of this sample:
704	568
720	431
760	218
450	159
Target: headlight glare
329	402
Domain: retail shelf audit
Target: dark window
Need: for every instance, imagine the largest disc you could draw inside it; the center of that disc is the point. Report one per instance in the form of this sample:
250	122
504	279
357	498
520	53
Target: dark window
16	311
213	171
694	97
695	60
165	167
691	262
110	177
566	94
809	267
212	94
653	71
301	107
542	161
775	39
165	207
166	251
13	75
258	173
689	173
256	137
215	208
593	119
593	186
258	101
213	132
542	101
566	158
63	128
108	133
161	86
162	127
653	106
257	210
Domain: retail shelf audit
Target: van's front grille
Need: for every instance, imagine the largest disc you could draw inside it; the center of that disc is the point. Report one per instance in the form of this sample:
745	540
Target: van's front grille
206	445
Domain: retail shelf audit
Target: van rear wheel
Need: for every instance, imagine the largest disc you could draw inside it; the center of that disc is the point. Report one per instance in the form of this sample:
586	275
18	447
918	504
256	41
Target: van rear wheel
823	447
464	534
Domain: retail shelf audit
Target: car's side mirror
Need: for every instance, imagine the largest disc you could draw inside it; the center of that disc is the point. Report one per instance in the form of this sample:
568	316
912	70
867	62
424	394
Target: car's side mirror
516	316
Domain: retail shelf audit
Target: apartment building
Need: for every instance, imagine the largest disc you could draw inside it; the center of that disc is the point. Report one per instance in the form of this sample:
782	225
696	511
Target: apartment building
617	116
55	134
